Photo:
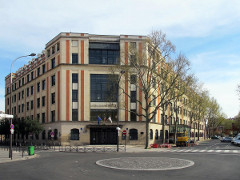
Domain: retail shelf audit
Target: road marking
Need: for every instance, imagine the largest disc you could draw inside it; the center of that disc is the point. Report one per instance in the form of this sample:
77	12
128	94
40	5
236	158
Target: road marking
226	151
218	150
202	150
235	151
210	151
195	150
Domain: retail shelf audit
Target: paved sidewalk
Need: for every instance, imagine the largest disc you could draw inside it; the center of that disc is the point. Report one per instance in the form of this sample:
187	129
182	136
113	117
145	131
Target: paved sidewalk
16	156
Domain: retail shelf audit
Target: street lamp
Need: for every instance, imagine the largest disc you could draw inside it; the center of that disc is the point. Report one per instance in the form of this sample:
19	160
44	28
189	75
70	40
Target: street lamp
118	128
32	54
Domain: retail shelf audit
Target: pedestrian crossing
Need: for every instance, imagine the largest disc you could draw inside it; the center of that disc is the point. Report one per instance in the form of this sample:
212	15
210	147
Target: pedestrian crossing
201	151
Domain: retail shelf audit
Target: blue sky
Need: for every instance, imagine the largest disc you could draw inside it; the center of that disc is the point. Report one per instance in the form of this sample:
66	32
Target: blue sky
206	31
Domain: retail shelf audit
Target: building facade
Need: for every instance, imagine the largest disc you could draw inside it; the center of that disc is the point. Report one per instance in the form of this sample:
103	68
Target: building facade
67	89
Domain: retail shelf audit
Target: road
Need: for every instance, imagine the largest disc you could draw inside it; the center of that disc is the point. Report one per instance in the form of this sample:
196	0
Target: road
82	166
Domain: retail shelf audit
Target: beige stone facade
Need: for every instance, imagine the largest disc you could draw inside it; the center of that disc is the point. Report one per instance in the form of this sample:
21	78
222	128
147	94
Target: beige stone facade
48	94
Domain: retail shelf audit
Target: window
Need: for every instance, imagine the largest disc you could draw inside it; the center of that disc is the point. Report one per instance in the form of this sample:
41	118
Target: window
53	49
74	43
53	98
53	80
31	105
22	81
58	46
151	134
43	84
74	95
43	117
74	78
102	88
28	78
156	134
53	63
43	101
75	58
133	96
43	68
22	107
48	52
32	75
22	94
53	116
38	71
104	53
38	87
133	115
38	102
102	113
19	108
19	96
74	114
133	79
74	134
27	106
133	59
32	90
19	83
133	134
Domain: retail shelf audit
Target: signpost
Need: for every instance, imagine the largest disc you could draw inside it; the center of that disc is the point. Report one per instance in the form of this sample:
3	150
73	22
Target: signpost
124	132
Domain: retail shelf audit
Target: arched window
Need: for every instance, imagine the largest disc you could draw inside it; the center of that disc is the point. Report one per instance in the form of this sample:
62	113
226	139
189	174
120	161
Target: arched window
55	134
151	134
133	134
196	135
74	134
166	134
156	134
44	135
192	134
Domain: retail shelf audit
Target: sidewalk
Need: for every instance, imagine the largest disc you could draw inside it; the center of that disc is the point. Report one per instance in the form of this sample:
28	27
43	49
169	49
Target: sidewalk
16	156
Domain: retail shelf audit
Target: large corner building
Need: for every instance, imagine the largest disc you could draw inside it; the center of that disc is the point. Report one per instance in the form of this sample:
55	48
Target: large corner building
65	89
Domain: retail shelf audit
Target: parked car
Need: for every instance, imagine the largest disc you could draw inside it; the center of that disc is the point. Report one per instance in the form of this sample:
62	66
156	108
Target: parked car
235	138
214	137
226	139
237	142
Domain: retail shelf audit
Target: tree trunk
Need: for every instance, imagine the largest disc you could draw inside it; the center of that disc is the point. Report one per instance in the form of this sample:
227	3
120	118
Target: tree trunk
163	125
147	134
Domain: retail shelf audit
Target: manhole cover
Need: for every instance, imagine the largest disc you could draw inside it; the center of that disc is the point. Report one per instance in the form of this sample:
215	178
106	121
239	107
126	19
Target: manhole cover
145	163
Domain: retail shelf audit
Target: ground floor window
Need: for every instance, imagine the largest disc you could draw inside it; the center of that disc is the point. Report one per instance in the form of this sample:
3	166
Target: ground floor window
74	134
156	134
151	134
133	134
106	115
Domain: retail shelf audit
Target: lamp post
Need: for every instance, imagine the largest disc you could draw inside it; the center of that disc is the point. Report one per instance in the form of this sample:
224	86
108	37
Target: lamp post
32	54
118	128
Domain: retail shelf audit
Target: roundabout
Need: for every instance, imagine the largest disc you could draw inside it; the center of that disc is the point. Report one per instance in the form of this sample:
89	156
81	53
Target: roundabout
145	163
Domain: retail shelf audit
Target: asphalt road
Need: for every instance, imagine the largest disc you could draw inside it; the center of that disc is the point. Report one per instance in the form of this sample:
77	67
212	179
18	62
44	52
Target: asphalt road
82	166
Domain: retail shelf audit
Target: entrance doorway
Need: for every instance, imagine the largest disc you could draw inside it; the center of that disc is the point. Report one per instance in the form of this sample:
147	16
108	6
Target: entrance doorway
103	136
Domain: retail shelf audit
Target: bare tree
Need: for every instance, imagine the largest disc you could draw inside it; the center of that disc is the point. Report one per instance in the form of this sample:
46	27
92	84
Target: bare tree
161	77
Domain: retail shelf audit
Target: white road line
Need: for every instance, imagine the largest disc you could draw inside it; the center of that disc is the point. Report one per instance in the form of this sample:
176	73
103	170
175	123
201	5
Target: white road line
226	151
195	150
218	150
235	151
202	150
210	151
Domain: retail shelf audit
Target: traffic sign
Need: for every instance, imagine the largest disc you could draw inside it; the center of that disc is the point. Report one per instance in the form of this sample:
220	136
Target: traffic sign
124	132
12	126
12	131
